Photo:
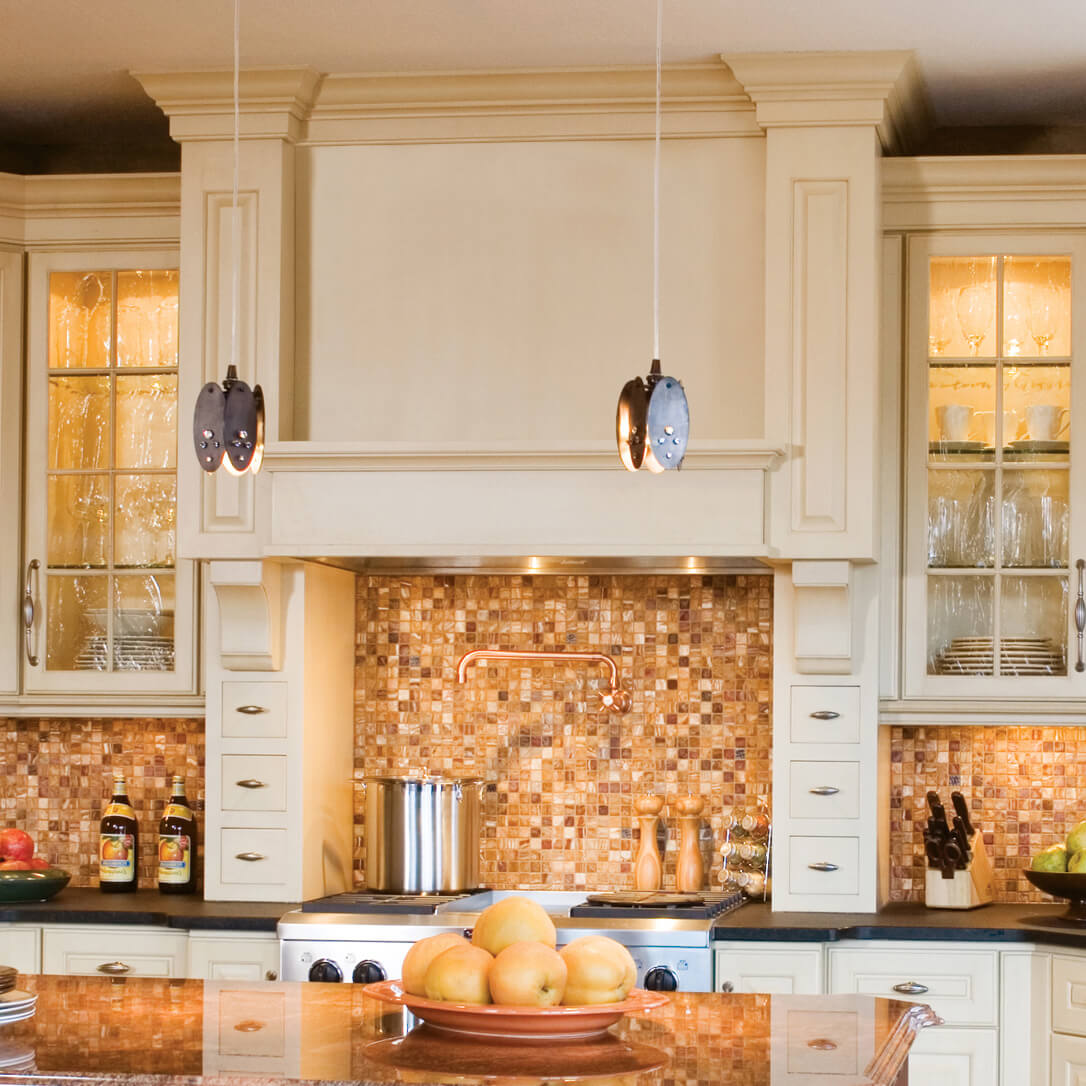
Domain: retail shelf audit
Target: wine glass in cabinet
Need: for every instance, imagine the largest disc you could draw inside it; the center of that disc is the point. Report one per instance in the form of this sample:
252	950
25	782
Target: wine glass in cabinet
108	605
993	530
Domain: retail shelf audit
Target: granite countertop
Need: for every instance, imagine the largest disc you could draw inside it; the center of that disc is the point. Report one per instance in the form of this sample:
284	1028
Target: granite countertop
154	1032
1015	923
83	905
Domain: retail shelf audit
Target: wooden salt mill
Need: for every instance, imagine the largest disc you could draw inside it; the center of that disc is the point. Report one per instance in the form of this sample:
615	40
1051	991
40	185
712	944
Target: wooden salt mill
690	871
648	867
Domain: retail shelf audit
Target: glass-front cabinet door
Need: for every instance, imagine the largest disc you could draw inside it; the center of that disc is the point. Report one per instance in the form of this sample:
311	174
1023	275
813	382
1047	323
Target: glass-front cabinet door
994	500
110	606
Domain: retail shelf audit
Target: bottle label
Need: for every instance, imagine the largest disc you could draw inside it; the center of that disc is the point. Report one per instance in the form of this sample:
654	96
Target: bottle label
174	858
115	857
176	810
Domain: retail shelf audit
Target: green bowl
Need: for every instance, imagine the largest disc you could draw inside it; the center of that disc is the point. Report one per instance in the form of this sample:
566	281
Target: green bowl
16	886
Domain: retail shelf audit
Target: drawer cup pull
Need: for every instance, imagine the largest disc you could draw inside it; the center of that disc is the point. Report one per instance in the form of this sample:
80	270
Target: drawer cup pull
251	710
250	857
250	783
825	714
823	865
824	790
250	1025
114	969
910	987
822	1044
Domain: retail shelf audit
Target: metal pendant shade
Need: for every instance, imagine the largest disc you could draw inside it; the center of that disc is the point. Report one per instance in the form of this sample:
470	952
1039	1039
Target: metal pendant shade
228	425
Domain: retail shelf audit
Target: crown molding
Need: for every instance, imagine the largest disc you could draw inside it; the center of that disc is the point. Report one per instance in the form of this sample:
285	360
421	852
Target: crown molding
273	102
831	89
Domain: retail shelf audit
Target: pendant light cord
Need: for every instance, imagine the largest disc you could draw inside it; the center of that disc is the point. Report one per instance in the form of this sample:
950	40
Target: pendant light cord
656	189
235	285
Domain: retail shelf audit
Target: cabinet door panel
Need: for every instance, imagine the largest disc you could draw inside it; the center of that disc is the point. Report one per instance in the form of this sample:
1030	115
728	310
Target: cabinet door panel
942	1056
20	947
780	970
233	957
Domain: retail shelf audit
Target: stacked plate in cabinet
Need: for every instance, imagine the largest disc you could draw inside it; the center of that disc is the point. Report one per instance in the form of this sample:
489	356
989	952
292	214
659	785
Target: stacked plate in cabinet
15	1006
131	652
1017	656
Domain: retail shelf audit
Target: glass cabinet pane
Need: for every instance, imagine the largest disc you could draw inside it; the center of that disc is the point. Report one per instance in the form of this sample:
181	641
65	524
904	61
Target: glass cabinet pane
961	625
1036	410
1035	519
962	313
1033	625
961	531
111	477
1037	306
961	411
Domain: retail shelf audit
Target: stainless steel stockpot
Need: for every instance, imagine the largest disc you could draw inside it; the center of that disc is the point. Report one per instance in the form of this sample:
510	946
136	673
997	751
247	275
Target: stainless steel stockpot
423	834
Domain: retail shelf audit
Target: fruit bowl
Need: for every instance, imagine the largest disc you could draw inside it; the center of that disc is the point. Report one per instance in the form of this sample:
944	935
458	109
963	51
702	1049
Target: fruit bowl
22	886
1064	884
543	1025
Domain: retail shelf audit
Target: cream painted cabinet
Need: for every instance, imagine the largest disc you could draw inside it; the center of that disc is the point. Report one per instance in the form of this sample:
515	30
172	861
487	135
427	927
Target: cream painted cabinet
778	968
233	955
994	521
114	951
112	602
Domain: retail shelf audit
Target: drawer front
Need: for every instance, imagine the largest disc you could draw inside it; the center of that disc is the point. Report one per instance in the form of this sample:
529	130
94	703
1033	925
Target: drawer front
252	1024
254	710
20	947
252	856
779	970
120	952
825	714
962	986
254	782
955	1057
1069	994
821	1042
233	958
824	865
1068	1060
824	790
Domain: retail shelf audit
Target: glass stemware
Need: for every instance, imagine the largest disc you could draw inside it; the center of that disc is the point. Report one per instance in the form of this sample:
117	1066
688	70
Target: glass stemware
1043	312
976	308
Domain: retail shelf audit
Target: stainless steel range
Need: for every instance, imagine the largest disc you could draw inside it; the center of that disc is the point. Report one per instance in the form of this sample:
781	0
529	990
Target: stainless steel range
363	937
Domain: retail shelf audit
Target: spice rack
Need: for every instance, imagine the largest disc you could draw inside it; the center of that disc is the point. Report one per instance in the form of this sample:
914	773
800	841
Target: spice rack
747	851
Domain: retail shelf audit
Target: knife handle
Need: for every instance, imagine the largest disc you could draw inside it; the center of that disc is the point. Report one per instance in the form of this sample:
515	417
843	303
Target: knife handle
962	809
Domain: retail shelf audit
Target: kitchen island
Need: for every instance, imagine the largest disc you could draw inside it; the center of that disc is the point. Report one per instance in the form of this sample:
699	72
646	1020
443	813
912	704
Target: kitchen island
151	1032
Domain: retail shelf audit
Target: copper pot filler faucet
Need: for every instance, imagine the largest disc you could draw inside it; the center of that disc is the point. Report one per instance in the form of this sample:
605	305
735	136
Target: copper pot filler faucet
615	700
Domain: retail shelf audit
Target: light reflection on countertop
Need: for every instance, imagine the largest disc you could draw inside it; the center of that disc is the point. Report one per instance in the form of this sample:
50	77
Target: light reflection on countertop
153	1032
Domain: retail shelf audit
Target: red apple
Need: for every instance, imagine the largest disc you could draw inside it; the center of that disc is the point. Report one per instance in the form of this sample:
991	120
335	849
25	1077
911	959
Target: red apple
16	845
37	863
16	865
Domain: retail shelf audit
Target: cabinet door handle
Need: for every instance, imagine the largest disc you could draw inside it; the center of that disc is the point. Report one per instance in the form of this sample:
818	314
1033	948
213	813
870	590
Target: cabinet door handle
249	1025
825	714
29	611
1080	615
726	986
250	783
910	987
822	1044
114	969
271	974
824	790
251	710
823	865
250	857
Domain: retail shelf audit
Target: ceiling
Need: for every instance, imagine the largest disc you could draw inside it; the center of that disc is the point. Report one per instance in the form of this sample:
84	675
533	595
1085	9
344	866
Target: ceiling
64	81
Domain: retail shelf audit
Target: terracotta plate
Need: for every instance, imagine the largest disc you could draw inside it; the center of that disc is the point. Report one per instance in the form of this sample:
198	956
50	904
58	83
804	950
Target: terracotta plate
518	1024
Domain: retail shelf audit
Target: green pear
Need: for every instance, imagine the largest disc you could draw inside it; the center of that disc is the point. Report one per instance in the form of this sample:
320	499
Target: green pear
1076	839
1077	863
1054	858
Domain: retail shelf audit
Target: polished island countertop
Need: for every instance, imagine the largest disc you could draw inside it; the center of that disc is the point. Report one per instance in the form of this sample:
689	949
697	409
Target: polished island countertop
155	1032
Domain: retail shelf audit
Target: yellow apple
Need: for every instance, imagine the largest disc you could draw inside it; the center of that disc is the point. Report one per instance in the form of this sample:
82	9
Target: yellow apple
460	975
419	957
528	975
513	920
599	970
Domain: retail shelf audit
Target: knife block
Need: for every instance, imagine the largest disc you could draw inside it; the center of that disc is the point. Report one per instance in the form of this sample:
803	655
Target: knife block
968	889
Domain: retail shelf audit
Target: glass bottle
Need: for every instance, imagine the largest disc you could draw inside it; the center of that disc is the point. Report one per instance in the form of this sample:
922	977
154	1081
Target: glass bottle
118	842
177	843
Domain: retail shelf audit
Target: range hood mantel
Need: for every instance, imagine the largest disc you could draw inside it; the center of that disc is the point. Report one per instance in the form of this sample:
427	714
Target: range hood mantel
550	565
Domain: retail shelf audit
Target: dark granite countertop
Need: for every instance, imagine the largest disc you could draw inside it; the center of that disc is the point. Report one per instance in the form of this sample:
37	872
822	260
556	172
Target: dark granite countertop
101	1031
1018	923
76	905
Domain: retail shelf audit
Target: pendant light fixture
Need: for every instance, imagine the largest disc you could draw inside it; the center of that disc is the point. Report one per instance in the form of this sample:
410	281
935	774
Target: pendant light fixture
653	421
228	423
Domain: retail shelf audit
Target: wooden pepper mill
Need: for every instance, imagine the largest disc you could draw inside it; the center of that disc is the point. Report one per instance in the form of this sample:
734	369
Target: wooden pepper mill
648	867
690	872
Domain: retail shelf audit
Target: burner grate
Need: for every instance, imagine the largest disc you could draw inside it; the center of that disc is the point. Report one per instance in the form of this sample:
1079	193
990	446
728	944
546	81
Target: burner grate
390	904
705	910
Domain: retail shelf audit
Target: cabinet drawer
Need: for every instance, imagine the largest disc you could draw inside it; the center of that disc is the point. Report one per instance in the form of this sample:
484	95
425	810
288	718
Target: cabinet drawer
114	951
962	986
251	1029
254	856
824	790
825	714
254	782
234	957
780	969
1069	994
824	865
1068	1061
821	1042
254	710
20	947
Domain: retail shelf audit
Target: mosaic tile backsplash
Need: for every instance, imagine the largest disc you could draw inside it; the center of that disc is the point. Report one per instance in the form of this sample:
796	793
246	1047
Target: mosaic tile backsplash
1025	786
694	651
58	775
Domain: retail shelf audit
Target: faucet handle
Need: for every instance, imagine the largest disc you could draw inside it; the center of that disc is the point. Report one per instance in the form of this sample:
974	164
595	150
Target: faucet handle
617	701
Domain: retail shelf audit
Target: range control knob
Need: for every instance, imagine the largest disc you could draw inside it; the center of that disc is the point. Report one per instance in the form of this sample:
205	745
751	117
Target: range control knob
661	979
326	971
368	972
